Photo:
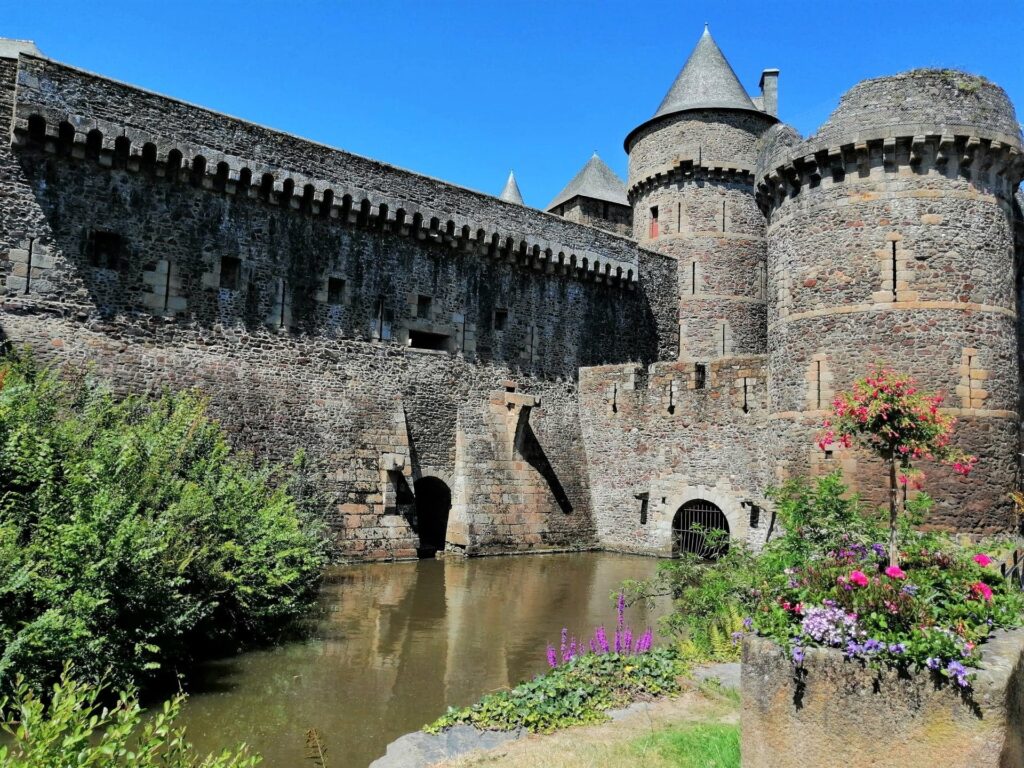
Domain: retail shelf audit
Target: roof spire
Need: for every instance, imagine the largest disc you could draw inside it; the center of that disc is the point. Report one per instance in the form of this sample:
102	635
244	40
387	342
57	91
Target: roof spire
707	81
596	181
511	193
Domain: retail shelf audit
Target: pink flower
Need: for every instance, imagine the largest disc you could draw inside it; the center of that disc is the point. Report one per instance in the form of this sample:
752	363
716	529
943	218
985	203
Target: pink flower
858	578
981	590
895	572
983	560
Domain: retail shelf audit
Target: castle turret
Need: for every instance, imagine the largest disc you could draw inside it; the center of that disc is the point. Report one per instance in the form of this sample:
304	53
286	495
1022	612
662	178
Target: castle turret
511	193
691	175
596	196
890	239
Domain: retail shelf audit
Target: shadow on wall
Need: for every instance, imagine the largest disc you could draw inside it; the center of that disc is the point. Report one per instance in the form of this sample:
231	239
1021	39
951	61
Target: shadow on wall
1012	753
530	449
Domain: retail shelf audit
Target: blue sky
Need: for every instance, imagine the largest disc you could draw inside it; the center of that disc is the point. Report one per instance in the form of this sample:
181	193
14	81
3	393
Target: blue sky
465	90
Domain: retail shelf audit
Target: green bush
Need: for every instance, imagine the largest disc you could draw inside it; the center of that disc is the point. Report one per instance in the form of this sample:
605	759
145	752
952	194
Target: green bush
579	691
131	539
73	728
826	581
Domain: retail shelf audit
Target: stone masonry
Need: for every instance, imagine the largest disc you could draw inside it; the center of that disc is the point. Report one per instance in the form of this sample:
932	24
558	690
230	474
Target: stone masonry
575	377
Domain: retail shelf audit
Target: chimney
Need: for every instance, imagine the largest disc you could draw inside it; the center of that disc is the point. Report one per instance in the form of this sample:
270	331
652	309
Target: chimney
770	91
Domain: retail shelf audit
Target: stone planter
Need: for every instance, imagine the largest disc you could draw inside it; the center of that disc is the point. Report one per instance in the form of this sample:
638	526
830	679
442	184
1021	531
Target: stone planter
844	713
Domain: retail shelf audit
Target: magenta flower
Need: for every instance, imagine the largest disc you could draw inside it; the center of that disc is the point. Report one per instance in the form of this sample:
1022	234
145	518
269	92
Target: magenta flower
895	572
858	578
983	560
982	591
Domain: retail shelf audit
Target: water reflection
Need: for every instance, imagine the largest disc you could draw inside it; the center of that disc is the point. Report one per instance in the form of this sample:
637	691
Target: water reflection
398	644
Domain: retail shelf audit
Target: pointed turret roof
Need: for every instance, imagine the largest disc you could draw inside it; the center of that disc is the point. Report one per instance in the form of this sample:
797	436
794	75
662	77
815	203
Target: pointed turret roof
595	180
511	193
707	81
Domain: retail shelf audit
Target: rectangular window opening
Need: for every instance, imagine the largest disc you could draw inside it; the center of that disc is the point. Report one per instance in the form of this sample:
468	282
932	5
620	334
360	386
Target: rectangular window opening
335	290
894	270
700	375
500	319
755	516
423	304
230	272
817	383
723	215
693	278
104	249
425	340
654	222
746	407
644	499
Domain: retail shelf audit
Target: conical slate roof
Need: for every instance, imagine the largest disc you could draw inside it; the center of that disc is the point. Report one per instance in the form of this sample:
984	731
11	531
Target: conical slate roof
511	193
707	81
596	181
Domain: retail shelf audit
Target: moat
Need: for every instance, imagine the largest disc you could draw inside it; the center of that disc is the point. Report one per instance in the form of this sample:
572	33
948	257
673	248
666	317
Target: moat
399	643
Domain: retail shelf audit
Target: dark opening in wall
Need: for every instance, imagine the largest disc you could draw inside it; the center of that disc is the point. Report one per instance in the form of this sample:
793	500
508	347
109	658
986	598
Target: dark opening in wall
425	340
500	319
335	290
230	272
104	249
604	210
423	304
828	455
755	516
654	222
700	376
644	499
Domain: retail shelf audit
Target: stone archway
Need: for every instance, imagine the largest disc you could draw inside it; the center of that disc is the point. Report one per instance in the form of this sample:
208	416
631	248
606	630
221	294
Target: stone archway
433	503
691	525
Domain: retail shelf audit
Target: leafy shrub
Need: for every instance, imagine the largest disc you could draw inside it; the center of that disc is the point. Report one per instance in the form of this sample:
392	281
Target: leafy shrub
131	539
579	691
73	728
826	581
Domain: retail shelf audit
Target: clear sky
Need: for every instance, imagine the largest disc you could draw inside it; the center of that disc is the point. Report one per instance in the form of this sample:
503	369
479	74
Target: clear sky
465	90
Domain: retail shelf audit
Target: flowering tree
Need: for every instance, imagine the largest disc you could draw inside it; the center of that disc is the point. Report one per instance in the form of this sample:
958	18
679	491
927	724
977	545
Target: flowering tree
887	414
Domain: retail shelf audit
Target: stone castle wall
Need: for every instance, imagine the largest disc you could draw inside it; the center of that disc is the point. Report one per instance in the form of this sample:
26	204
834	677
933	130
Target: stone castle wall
394	326
610	217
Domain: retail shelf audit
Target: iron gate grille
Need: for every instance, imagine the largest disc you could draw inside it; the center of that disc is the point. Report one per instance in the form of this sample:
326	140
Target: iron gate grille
690	527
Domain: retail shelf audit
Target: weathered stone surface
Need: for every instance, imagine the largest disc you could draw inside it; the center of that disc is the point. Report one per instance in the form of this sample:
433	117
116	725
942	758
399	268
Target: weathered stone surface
843	712
419	749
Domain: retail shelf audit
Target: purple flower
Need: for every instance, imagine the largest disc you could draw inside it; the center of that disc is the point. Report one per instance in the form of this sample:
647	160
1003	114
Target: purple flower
853	648
878	549
600	640
798	654
621	609
909	589
932	663
872	646
644	643
897	648
748	623
956	672
552	657
736	637
828	626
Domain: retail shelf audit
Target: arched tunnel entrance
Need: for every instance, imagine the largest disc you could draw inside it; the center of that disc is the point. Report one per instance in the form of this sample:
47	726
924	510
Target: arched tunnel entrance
433	501
694	524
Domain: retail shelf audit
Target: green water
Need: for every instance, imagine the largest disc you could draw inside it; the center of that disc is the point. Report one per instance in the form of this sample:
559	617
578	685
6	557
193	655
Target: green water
397	644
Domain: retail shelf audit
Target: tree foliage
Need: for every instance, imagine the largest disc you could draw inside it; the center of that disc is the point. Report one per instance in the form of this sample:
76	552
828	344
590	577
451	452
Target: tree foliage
132	540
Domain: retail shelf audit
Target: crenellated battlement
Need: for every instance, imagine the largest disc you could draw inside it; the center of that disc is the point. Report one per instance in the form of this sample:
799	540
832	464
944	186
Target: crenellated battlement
51	111
691	169
992	164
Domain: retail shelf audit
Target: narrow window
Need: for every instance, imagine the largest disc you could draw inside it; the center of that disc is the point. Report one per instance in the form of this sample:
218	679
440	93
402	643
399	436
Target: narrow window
500	319
700	376
654	222
693	278
755	516
378	311
423	304
604	210
672	397
817	382
104	249
679	217
615	398
828	455
723	339
746	407
280	319
723	215
230	271
28	266
644	501
167	285
335	290
894	270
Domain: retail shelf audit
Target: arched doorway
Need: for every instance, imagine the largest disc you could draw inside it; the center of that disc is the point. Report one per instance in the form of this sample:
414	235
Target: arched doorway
433	501
691	526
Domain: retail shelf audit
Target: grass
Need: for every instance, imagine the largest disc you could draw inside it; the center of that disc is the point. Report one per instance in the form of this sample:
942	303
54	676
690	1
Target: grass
714	745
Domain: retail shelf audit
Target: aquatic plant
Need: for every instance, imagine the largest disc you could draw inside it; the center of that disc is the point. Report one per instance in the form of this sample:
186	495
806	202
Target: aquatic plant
624	641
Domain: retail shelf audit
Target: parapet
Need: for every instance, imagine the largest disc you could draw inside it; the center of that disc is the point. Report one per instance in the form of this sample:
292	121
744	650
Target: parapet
956	123
64	109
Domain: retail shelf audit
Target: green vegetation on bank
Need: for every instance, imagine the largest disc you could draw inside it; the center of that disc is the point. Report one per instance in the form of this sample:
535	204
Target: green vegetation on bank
72	727
579	691
132	539
703	745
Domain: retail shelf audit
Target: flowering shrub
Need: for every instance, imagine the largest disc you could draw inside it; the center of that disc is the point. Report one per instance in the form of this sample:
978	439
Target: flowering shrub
839	591
887	414
623	643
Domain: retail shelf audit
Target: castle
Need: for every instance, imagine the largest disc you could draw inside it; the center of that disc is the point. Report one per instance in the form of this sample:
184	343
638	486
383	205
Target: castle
469	373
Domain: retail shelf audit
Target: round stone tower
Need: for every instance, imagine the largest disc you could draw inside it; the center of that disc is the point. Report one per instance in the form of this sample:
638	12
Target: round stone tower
691	174
891	240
